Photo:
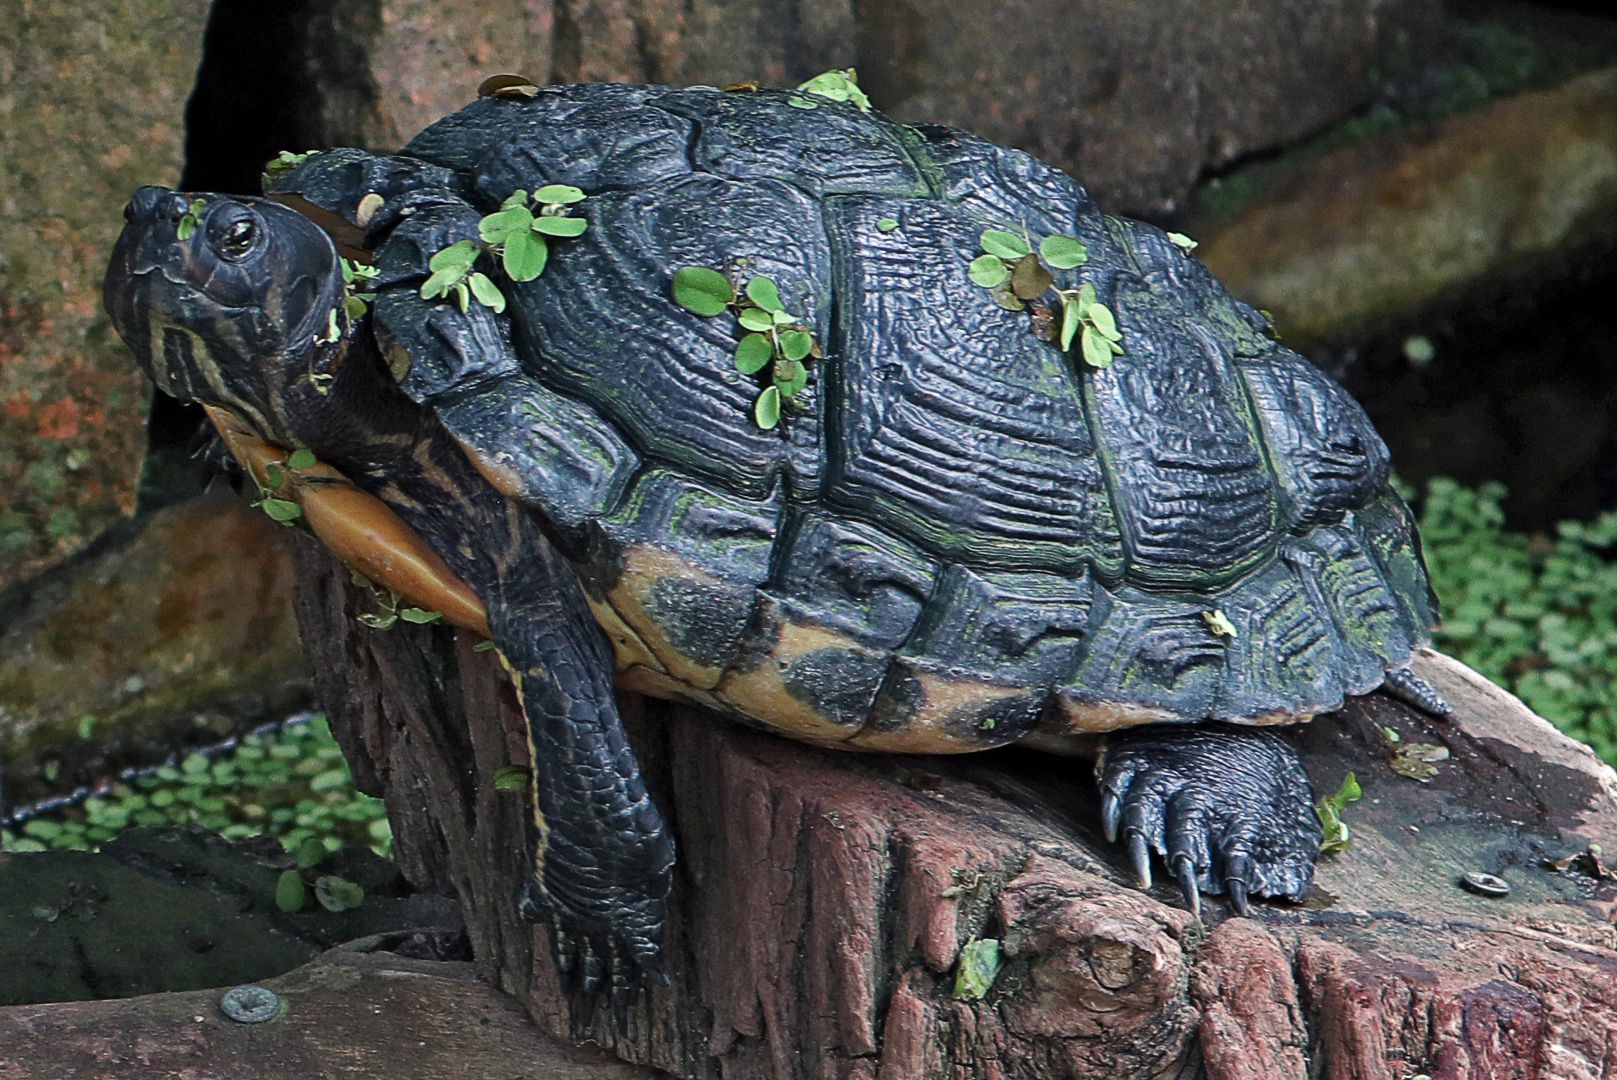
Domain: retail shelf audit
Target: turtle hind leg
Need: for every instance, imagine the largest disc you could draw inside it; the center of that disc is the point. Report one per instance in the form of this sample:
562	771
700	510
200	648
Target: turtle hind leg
1229	809
1411	689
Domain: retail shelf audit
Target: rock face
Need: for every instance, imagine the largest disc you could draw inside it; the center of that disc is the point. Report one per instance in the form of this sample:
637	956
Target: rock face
91	95
823	900
1378	230
173	632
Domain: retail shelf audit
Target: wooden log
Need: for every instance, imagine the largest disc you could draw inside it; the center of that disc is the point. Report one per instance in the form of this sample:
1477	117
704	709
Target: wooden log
822	899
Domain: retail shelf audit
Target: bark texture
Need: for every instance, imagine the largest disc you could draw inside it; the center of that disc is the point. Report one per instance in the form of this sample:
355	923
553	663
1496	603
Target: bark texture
822	899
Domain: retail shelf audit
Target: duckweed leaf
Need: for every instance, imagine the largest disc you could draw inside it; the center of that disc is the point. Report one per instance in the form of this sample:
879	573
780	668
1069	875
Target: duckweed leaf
756	319
1218	623
459	255
301	458
558	194
978	967
1329	811
767	409
1069	322
1007	245
1096	353
754	351
887	224
274	477
290	893
1029	278
500	226
356	306
838	86
1002	295
338	894
796	345
762	291
511	778
1183	242
190	220
702	291
310	853
281	510
988	270
488	294
1063	252
790	378
801	103
552	225
1101	317
524	256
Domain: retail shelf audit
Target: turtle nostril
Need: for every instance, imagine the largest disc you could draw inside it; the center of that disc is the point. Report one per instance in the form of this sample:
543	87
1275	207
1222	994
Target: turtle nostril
177	206
145	201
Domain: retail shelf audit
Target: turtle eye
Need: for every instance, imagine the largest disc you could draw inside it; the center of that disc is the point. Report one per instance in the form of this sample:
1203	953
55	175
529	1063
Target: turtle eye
238	238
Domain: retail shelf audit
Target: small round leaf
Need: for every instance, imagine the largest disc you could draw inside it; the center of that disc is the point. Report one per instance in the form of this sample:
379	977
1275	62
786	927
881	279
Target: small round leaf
988	270
498	227
767	410
1007	245
702	291
1063	252
753	353
1101	316
337	894
795	344
560	226
790	378
459	255
488	294
558	194
887	224
524	256
1029	278
281	510
762	291
290	894
1096	353
755	318
302	458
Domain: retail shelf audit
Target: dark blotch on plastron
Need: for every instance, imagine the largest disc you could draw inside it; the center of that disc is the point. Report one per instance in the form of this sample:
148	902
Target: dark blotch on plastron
1003	720
900	696
701	620
837	683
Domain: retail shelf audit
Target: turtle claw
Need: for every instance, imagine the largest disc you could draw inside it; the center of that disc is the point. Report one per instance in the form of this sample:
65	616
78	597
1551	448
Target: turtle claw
1228	808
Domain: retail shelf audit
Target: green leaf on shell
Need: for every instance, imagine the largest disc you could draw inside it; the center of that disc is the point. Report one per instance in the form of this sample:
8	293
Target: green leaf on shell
560	226
338	894
702	291
762	291
1029	278
1329	811
558	194
1070	322
356	306
1218	623
463	297
511	778
840	85
459	255
420	616
290	893
282	510
1086	296
1183	242
301	458
801	103
754	351
790	378
1100	316
1007	245
988	270
524	256
756	319
767	409
274	476
499	227
1063	252
1096	354
488	294
978	967
887	224
518	197
796	345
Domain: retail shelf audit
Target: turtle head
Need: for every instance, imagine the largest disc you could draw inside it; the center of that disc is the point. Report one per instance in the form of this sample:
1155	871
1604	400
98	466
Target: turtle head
225	301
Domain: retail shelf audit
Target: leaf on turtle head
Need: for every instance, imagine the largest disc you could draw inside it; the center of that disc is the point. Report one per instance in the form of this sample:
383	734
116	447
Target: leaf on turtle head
301	458
1007	245
753	352
524	256
190	220
762	291
1029	278
767	409
756	318
1096	354
558	194
500	226
702	291
988	271
488	294
796	344
559	226
1063	252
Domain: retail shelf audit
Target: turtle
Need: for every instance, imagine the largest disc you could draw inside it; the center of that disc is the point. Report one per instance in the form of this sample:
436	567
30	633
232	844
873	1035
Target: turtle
966	487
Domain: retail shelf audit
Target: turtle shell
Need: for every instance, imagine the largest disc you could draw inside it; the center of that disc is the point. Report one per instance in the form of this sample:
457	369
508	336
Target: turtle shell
965	536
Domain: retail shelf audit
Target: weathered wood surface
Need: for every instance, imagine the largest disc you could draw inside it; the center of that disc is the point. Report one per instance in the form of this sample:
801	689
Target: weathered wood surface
349	1015
822	898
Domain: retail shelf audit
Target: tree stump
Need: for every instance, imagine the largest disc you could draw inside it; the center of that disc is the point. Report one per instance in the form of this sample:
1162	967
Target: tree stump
822	899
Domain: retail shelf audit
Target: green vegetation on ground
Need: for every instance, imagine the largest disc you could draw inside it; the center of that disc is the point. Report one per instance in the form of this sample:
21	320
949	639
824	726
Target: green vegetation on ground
291	783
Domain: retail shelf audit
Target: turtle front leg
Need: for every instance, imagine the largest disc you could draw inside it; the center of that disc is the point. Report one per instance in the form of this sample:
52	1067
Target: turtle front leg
1228	808
604	859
